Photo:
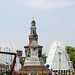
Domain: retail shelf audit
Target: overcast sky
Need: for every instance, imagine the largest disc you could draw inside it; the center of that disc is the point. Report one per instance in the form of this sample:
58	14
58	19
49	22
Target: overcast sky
55	20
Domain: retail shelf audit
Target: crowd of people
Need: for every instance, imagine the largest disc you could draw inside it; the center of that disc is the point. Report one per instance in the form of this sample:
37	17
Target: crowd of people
57	73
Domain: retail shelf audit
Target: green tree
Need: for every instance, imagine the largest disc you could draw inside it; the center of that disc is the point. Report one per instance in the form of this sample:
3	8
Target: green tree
44	58
21	61
71	51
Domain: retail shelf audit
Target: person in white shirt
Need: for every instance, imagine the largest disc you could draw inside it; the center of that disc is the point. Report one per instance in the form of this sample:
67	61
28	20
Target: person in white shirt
57	73
53	73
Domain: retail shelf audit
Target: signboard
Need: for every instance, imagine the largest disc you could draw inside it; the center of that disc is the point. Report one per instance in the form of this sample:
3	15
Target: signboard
47	65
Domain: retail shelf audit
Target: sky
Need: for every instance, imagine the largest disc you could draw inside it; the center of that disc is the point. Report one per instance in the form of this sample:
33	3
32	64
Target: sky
55	20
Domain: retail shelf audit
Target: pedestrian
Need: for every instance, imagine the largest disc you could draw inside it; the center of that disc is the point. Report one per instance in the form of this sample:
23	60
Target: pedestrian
57	73
37	73
53	73
71	73
65	73
49	73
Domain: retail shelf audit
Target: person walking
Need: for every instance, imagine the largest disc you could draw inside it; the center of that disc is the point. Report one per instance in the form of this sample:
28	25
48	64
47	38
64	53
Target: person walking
57	73
53	73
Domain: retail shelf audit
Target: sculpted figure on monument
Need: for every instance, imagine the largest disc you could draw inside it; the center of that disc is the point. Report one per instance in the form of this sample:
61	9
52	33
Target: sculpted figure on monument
28	54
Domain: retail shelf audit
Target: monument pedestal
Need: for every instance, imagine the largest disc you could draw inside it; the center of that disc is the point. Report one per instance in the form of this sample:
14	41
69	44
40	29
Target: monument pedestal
33	61
34	64
34	68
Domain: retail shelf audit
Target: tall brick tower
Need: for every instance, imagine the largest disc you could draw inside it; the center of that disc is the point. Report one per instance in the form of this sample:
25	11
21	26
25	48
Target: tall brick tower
33	36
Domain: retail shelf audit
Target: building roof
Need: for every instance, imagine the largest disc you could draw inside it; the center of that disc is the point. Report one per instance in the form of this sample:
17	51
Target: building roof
27	46
19	50
8	45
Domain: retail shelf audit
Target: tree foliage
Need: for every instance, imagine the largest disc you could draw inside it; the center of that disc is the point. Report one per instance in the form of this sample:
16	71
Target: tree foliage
44	58
21	61
71	51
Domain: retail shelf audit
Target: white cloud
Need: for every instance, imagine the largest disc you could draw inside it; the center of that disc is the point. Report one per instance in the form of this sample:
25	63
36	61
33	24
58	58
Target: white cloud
47	4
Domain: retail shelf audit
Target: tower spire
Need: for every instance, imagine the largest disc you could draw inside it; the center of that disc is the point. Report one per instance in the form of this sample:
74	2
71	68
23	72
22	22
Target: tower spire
33	22
33	18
